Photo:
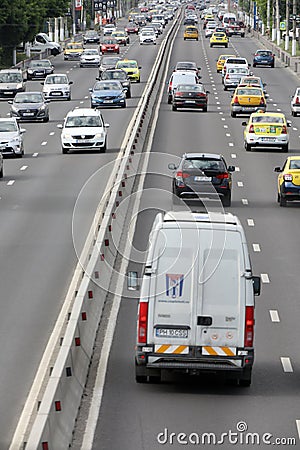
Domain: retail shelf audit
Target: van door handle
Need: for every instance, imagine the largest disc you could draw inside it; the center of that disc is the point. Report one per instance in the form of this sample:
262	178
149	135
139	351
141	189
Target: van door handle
204	321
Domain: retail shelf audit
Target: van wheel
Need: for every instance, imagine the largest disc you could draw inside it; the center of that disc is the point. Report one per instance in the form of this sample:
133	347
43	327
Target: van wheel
155	379
174	108
245	383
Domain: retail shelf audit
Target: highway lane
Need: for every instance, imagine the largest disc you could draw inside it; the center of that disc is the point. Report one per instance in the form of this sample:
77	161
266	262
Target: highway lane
132	415
38	195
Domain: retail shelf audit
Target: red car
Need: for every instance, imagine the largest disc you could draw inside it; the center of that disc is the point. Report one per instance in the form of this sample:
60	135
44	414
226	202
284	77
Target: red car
132	28
109	46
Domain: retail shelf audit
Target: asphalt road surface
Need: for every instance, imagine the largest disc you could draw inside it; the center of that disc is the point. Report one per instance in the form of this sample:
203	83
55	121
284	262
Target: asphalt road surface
132	416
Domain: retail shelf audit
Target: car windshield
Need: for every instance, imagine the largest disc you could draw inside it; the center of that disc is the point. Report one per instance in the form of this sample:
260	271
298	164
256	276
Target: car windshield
117	75
109	61
56	80
91	51
127	64
91	33
249	92
106	86
28	98
109	41
40	63
263	53
83	121
219	34
267	119
6	127
10	78
186	66
204	164
73	46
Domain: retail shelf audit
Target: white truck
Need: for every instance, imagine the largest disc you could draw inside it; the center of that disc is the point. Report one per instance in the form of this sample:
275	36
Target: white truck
42	43
196	307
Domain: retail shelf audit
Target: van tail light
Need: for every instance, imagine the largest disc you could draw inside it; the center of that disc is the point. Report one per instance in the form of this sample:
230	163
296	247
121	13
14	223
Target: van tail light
236	100
142	322
227	76
288	177
262	101
222	176
251	129
249	326
297	101
284	130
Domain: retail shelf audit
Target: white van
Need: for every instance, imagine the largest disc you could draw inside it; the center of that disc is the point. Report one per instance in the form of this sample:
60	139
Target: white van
196	307
180	77
227	18
42	43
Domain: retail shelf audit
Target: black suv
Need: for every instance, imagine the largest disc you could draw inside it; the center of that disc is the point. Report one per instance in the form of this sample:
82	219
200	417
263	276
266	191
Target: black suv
202	176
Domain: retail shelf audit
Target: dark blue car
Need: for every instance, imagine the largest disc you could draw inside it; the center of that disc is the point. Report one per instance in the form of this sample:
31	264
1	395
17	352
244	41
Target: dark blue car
264	58
108	93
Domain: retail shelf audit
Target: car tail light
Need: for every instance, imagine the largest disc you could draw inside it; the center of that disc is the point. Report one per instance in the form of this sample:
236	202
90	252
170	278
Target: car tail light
288	177
200	94
227	76
143	322
249	326
284	130
179	94
116	47
221	176
236	100
251	129
103	47
126	29
262	101
297	101
181	175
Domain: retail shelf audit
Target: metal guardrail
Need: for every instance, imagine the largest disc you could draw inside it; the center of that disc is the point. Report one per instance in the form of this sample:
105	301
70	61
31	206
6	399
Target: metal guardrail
55	420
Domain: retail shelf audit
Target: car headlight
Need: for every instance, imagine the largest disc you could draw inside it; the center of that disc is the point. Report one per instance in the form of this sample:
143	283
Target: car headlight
14	109
30	70
99	135
42	108
19	86
66	136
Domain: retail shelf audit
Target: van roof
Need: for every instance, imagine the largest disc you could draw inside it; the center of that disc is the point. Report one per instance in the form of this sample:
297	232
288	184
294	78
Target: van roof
211	217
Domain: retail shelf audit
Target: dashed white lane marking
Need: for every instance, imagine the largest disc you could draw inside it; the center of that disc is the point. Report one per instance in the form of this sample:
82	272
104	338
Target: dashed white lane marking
68	71
225	126
233	155
81	102
256	247
35	155
286	364
10	182
44	143
270	99
274	104
23	167
223	118
245	201
228	134
274	315
52	133
76	107
71	68
86	96
240	184
295	129
278	109
250	222
218	107
216	97
237	169
231	144
265	278
298	426
221	112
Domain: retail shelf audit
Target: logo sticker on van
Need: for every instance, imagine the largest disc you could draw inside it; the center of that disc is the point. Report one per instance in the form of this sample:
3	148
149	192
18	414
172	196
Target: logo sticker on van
174	285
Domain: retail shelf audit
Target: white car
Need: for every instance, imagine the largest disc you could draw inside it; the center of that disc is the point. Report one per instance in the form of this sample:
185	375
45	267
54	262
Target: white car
11	137
295	103
109	29
84	129
90	57
210	28
147	37
57	86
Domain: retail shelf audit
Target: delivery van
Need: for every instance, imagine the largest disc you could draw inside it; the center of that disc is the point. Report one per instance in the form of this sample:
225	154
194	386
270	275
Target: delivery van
196	306
42	43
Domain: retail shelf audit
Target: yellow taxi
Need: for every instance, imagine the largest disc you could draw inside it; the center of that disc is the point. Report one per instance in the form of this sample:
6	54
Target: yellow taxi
266	129
191	32
209	17
247	99
221	61
288	183
73	50
218	38
131	67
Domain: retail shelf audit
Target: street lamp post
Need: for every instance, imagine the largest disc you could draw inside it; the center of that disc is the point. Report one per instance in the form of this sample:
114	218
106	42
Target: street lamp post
287	21
278	23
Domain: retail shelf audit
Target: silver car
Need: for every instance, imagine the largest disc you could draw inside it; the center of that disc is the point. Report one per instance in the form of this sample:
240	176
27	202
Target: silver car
11	137
30	106
295	102
233	76
90	58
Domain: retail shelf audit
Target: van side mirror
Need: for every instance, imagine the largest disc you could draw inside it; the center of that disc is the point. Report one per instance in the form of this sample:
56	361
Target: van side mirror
256	285
132	281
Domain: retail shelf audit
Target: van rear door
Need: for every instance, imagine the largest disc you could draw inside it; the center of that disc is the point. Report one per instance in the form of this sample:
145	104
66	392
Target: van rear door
221	292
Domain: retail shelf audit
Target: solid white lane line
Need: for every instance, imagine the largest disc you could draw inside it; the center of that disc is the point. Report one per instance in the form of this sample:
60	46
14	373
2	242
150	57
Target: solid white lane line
244	201
44	143
250	222
233	155
286	364
23	168
256	247
265	278
240	184
274	315
10	182
52	133
35	155
298	427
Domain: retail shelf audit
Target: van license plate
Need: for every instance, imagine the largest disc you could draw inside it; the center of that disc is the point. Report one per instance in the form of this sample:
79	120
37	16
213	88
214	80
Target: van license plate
171	332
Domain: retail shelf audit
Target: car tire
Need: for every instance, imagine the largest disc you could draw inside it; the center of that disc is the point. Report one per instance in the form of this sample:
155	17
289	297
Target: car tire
243	35
69	98
248	147
282	201
211	45
104	148
169	100
138	81
254	65
174	108
128	94
226	46
285	148
204	109
233	114
272	66
225	88
124	105
226	199
246	380
184	39
1	173
54	52
46	119
278	198
64	151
